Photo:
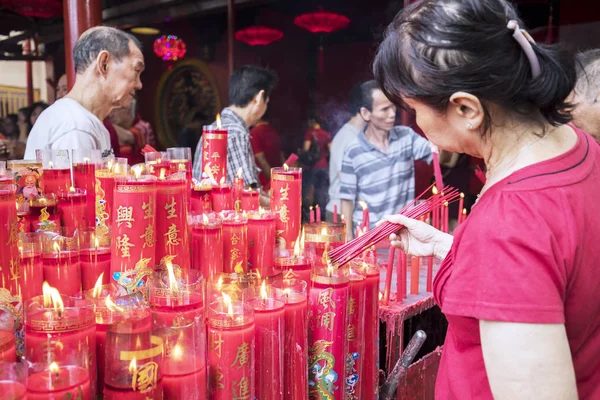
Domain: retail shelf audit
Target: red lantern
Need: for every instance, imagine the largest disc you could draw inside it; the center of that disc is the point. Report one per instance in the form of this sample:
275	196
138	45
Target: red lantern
34	8
258	35
322	21
169	47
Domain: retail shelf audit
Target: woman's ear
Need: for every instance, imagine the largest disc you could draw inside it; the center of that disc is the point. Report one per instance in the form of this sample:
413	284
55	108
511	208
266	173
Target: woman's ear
468	108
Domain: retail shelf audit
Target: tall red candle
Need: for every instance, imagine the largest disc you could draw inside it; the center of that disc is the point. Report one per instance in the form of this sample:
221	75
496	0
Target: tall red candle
105	186
9	256
94	258
261	243
269	341
201	199
238	187
214	151
231	333
286	201
295	380
250	200
207	244
31	277
328	340
171	221
133	231
235	242
370	375
62	268
414	275
84	177
222	197
356	321
72	205
44	214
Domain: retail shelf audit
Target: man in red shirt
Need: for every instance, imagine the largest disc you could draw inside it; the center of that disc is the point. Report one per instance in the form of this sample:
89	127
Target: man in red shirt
266	146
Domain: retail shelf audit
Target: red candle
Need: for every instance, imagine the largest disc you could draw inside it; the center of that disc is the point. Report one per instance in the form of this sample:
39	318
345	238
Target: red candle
388	276
335	215
134	231
356	321
105	186
44	214
13	376
370	375
9	238
295	380
445	217
55	180
72	205
461	206
269	334
311	215
62	269
201	199
318	213
207	244
250	200
322	237
462	216
366	221
13	390
180	160
8	348
84	177
214	151
401	271
261	243
158	163
297	266
70	382
429	285
414	275
32	271
235	242
327	331
231	333
286	201
222	197
238	187
94	258
171	221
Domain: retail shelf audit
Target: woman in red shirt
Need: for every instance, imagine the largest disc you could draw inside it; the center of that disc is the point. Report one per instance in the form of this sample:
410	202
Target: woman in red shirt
520	278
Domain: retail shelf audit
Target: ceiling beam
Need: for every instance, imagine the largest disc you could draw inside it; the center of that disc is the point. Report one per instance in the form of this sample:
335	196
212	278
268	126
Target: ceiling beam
20	57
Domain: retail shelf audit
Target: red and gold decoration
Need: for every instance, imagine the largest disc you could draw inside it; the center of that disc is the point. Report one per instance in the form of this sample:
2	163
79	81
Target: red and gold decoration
286	202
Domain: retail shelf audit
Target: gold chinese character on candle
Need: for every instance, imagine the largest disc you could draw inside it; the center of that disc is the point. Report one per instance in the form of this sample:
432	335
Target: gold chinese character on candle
172	236
144	379
123	245
216	343
325	298
327	320
243	389
285	192
125	214
243	356
235	239
148	237
170	209
147	207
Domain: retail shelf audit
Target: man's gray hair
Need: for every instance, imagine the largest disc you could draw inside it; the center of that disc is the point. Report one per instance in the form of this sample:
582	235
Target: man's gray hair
97	39
588	75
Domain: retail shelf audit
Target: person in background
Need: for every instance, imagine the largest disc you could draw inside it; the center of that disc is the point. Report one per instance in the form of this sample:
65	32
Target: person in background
249	90
519	281
192	131
108	63
10	130
379	164
24	123
36	110
266	146
61	87
132	131
317	175
340	141
586	95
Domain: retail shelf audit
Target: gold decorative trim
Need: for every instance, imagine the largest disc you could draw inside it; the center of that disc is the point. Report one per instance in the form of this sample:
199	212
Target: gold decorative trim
215	136
144	354
319	238
135	188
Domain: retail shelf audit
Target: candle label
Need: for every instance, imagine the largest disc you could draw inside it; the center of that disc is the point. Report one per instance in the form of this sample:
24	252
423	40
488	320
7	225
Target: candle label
218	136
125	215
145	378
278	177
102	215
322	377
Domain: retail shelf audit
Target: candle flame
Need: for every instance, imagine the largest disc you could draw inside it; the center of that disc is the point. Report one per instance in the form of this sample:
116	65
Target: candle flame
324	231
261	211
239	172
205	219
329	270
464	211
263	290
56	247
177	352
50	164
434	190
111	305
72	189
86	160
17	205
137	171
363	205
285	167
133	366
446	204
297	247
162	174
462	195
219	121
227	302
257	273
52	298
287	291
109	165
222	182
98	287
343	218
96	242
172	280
53	367
380	296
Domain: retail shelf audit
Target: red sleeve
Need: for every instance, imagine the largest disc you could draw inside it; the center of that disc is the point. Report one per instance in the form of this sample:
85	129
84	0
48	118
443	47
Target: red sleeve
308	135
508	264
255	139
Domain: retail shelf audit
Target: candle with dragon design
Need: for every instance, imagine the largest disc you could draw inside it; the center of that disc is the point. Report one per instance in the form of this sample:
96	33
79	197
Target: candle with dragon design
9	256
133	230
94	257
31	277
214	150
172	221
72	205
295	378
321	237
207	244
231	332
296	266
250	199
222	197
105	185
327	333
13	378
57	327
84	177
235	242
286	202
356	325
56	172
60	258
43	213
201	199
370	373
261	243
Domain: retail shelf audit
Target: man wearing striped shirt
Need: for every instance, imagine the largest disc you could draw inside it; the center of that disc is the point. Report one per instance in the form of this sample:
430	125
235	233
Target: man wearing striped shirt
378	165
249	91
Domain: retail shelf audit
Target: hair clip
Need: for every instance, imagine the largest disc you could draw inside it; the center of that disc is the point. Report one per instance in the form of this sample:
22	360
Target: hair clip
525	40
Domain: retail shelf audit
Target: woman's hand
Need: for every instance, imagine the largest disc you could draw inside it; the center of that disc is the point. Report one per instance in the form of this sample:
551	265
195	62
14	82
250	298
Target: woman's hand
419	239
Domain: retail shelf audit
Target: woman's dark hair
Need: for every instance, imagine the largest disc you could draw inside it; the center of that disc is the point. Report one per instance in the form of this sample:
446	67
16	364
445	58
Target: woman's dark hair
435	48
40	104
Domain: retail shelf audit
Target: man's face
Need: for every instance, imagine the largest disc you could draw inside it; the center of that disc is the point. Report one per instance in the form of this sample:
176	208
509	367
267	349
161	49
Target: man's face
586	115
30	181
383	112
123	78
10	128
61	87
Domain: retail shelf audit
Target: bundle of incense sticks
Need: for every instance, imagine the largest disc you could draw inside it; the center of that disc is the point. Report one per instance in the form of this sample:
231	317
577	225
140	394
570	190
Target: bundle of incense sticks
346	253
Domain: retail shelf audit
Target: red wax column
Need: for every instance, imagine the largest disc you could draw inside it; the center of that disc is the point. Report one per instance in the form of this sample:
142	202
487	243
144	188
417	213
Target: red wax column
54	382
180	160
133	231
214	152
231	332
134	358
235	242
44	214
207	244
414	275
60	258
31	277
201	199
171	221
356	340
261	243
222	197
322	237
72	205
8	348
295	380
370	375
105	186
327	333
84	177
9	238
56	173
269	338
94	256
63	330
295	267
176	298
286	201
250	200
158	163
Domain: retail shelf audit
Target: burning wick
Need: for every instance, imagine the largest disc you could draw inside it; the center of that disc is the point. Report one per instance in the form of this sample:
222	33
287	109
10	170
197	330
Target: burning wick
239	173
329	270
72	189
52	298
285	167
137	171
263	292
133	370
53	369
98	287
172	280
227	302
86	160
287	292
219	121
